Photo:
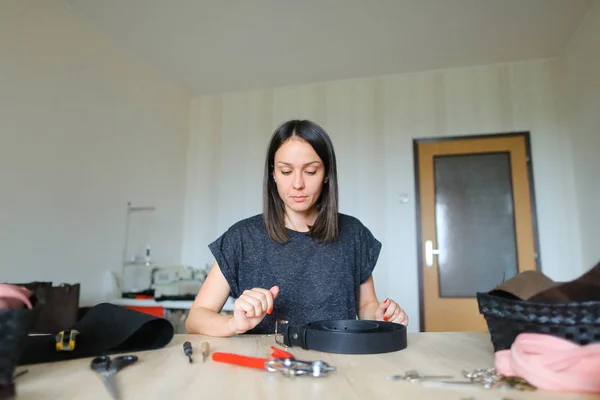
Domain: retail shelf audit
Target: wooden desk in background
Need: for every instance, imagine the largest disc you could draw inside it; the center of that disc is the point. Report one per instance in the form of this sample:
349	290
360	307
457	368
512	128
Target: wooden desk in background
167	374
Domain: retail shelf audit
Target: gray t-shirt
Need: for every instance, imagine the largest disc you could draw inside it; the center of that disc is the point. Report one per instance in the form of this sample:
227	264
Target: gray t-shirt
316	281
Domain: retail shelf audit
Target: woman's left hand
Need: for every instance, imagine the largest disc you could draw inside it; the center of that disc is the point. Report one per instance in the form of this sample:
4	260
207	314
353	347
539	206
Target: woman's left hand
390	311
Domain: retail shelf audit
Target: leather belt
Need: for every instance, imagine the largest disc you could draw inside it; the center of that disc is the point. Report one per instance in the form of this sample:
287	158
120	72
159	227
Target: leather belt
347	336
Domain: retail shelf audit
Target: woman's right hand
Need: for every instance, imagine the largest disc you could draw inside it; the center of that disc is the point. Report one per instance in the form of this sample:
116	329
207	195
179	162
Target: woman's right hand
251	307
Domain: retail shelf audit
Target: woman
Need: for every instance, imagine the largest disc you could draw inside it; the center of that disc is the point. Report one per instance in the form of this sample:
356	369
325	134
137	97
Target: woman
300	260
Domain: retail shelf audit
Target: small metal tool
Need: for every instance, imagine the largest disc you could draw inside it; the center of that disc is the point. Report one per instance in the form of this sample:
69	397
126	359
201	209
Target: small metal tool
187	350
204	348
414	375
489	378
282	362
293	367
448	384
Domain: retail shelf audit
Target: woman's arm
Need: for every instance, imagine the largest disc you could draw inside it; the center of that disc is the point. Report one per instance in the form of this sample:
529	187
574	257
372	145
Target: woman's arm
204	316
369	307
367	300
248	310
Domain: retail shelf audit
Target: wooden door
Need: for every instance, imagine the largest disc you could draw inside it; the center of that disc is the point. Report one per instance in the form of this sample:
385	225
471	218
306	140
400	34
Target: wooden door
476	223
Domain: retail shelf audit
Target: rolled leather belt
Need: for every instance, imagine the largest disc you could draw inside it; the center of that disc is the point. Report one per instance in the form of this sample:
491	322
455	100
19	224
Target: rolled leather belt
347	336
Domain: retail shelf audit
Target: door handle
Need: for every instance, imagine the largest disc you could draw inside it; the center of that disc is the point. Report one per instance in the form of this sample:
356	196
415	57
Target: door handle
430	252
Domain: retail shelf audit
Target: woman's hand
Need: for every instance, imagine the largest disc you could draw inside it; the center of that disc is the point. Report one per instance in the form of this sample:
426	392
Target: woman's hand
390	311
251	307
13	296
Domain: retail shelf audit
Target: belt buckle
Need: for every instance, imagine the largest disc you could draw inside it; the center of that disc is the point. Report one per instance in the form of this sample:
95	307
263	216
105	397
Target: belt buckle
280	325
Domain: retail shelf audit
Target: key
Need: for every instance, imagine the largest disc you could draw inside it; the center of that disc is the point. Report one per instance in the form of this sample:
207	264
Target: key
447	384
414	375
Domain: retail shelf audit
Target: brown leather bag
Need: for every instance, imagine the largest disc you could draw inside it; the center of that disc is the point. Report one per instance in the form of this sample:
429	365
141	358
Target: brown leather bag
584	288
536	287
59	306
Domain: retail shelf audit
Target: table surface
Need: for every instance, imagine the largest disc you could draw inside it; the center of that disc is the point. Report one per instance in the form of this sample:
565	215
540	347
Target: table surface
167	374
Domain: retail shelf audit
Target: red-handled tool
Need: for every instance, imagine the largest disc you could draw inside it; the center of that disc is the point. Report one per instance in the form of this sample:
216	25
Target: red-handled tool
252	362
282	361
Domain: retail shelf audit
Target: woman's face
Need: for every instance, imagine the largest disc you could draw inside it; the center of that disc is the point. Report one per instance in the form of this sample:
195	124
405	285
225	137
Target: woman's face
299	174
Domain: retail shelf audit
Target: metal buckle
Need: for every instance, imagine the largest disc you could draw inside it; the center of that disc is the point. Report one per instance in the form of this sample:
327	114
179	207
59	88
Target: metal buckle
279	328
293	367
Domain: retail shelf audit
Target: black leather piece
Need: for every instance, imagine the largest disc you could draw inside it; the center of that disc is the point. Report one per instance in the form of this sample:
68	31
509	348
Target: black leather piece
347	336
104	329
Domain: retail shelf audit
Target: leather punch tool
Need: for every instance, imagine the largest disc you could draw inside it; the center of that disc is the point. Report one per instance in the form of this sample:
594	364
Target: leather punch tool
281	361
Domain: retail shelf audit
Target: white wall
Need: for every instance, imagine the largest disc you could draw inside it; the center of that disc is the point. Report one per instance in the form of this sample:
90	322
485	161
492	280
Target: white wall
372	123
83	129
579	79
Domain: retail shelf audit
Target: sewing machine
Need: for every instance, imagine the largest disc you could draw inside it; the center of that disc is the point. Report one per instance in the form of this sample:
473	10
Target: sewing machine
177	282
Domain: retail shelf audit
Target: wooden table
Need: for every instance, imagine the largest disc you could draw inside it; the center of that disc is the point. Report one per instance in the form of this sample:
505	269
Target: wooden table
167	374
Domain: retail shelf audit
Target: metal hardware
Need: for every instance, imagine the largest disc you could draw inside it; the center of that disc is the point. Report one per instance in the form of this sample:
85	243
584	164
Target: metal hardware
430	252
293	367
447	384
486	378
279	328
489	378
414	375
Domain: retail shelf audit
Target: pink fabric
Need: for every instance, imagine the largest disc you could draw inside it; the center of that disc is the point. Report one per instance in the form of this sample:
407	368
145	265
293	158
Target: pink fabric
552	363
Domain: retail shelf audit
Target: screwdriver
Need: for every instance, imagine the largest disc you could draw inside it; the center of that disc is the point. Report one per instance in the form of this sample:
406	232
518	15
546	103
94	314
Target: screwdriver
205	348
187	349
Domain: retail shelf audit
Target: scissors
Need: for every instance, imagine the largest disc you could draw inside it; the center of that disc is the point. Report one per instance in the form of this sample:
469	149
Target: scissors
107	368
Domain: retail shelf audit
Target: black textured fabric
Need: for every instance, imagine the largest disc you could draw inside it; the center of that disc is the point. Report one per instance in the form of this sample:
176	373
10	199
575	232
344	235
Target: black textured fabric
316	281
105	329
507	318
14	325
